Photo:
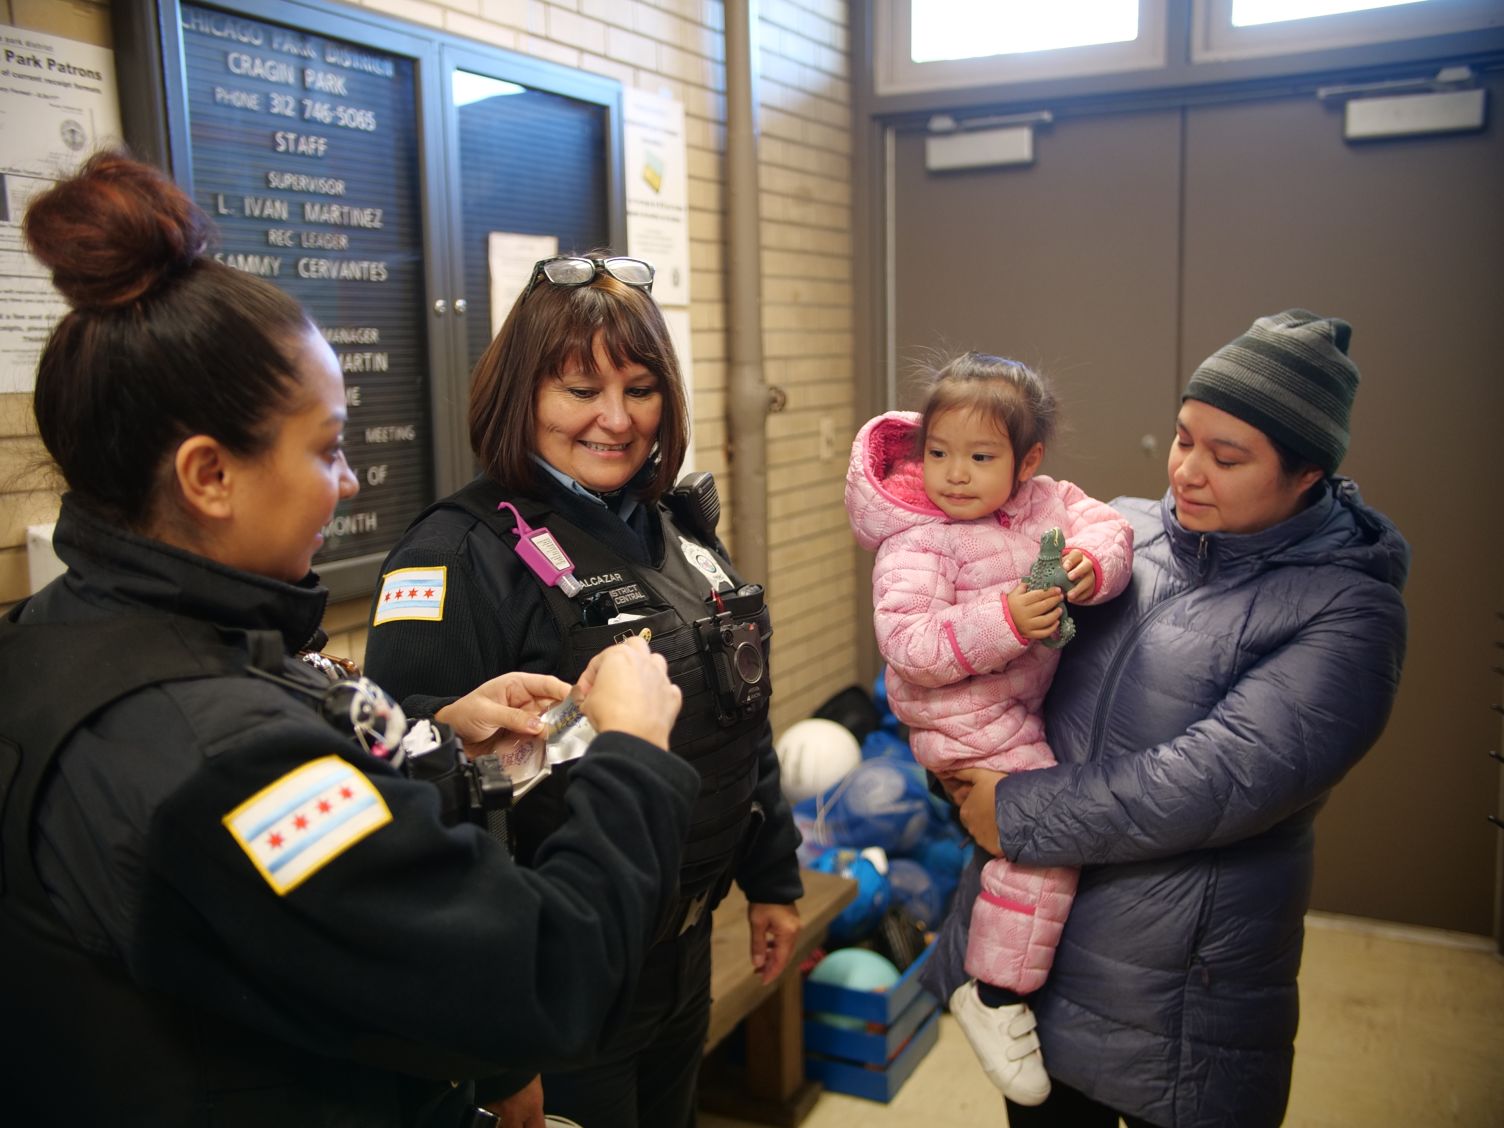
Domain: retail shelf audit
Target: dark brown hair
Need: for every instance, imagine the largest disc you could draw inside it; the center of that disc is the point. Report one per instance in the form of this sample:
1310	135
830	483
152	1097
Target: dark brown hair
162	342
1291	465
1015	397
551	330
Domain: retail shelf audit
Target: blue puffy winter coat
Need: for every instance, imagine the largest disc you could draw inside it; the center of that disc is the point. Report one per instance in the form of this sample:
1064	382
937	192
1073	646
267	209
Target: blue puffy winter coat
1199	721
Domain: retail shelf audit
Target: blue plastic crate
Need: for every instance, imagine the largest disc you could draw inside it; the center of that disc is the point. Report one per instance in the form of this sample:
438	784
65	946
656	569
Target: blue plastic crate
873	1082
871	1044
893	1030
881	1007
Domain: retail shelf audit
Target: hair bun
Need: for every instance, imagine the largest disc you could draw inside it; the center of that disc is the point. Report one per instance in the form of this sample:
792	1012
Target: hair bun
114	231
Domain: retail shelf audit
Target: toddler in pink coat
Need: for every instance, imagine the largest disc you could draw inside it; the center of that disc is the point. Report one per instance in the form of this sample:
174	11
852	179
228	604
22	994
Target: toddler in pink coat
951	501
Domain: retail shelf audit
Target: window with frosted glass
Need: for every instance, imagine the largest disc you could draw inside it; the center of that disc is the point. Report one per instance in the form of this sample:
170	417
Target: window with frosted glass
969	29
944	44
1237	29
1251	13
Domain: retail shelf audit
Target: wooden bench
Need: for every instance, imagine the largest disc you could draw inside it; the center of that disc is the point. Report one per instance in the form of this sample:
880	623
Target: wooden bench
770	1087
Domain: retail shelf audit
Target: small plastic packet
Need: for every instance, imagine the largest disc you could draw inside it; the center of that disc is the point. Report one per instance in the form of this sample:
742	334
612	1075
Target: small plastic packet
566	736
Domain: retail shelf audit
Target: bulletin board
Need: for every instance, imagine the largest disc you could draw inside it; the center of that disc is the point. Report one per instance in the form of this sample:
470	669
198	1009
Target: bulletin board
304	150
362	163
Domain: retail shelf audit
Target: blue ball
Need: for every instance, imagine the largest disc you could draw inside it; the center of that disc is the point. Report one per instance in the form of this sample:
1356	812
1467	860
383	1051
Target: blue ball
943	857
873	894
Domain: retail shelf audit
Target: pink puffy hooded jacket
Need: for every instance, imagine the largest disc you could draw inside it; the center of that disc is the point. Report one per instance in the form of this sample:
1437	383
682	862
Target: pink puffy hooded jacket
960	675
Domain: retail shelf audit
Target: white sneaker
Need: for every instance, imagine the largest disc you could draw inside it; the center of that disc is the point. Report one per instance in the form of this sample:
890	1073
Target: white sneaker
1004	1041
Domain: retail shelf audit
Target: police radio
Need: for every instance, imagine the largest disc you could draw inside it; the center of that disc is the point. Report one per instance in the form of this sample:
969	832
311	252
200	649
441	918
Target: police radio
696	503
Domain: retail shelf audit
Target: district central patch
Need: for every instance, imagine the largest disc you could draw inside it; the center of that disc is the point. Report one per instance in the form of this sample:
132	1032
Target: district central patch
628	596
295	827
411	593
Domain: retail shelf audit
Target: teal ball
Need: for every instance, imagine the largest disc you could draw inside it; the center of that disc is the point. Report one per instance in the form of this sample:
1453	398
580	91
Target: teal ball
844	1021
857	969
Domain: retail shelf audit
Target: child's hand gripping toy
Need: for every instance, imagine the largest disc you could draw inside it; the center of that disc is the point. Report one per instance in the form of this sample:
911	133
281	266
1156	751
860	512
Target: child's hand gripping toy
1049	572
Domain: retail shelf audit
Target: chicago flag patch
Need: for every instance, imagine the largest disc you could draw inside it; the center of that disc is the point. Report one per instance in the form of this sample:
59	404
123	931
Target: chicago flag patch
411	593
296	826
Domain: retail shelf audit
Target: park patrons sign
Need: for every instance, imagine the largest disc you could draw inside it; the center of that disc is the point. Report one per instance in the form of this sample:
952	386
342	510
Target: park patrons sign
305	152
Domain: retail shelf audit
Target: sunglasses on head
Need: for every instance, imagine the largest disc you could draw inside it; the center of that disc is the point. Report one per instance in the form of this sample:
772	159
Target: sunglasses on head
578	270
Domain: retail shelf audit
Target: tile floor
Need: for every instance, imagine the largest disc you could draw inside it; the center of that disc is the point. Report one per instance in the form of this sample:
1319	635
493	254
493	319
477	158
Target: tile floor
1398	1027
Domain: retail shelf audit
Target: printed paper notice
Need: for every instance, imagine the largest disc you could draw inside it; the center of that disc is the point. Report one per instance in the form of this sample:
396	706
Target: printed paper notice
57	105
512	258
657	190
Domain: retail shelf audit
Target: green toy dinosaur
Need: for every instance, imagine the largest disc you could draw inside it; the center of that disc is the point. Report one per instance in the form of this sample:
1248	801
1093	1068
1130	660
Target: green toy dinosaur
1049	572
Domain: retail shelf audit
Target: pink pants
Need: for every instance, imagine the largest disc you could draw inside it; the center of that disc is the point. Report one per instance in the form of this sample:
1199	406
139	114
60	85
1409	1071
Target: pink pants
1016	923
1021	910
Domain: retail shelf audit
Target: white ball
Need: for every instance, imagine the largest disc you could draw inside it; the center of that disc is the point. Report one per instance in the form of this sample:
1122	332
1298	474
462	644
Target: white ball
813	755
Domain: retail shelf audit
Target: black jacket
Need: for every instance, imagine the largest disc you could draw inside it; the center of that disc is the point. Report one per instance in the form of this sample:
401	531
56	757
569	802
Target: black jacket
496	618
418	950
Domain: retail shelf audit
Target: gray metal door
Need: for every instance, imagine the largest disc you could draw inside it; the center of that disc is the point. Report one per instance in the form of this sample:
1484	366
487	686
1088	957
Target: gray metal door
1139	242
1404	239
1070	265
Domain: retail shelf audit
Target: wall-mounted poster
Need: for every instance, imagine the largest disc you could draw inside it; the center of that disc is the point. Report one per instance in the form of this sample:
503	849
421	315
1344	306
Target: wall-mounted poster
57	105
305	152
657	190
511	258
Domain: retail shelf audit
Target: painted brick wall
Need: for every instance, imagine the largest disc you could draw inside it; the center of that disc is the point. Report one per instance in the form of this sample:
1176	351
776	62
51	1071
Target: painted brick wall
675	47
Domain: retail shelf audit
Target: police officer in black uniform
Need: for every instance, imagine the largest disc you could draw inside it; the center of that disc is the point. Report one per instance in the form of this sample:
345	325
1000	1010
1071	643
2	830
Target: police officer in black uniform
571	539
216	907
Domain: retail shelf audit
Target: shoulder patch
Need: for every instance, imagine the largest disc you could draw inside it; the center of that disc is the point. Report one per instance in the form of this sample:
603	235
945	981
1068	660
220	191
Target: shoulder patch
296	826
411	593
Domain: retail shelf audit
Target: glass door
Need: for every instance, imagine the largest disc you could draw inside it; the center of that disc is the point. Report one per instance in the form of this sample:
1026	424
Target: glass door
531	173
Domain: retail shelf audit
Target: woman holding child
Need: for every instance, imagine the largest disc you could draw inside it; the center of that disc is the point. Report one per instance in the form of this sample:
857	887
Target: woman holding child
1199	721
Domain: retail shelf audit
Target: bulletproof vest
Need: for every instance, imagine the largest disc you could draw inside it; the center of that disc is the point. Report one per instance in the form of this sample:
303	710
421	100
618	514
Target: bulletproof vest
673	601
87	1043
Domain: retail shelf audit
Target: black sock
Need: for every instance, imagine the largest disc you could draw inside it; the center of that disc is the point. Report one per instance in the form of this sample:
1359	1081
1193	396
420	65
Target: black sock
993	996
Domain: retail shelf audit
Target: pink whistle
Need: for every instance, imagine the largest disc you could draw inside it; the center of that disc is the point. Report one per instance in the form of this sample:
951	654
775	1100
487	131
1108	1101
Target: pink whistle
543	554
